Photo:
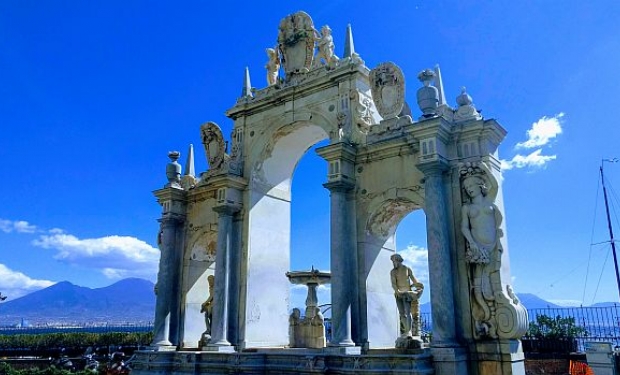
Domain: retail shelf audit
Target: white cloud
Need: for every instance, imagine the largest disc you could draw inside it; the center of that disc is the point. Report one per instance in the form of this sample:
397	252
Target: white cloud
539	135
417	258
542	132
535	159
15	284
114	256
19	226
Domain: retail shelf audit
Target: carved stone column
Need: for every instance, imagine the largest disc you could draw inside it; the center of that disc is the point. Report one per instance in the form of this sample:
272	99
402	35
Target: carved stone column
439	260
343	240
166	328
219	325
343	262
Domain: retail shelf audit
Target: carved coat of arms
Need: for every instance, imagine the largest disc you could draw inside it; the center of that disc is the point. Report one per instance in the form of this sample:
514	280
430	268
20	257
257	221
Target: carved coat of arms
214	144
387	85
296	39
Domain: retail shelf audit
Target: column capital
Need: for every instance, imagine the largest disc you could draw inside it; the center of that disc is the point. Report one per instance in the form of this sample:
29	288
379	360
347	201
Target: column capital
433	168
170	218
339	185
338	151
227	209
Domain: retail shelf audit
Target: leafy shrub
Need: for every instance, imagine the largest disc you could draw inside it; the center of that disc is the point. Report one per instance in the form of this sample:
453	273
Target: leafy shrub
557	328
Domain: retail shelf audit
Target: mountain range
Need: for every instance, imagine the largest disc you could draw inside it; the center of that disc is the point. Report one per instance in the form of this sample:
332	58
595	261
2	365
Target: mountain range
127	301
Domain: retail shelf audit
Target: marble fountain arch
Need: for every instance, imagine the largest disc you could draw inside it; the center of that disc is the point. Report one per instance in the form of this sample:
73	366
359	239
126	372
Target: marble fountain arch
382	162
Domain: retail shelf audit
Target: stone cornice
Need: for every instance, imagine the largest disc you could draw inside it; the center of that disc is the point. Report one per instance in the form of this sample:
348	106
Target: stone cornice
436	127
433	167
338	151
227	180
341	185
313	82
398	146
170	194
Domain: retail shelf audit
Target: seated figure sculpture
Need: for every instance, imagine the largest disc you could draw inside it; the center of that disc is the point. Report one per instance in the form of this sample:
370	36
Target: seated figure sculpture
407	289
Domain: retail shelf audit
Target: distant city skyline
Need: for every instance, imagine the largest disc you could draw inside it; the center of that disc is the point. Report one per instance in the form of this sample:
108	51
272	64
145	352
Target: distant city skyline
90	106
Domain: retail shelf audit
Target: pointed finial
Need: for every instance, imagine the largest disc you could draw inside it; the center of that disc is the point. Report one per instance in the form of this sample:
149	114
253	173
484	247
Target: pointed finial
189	163
349	49
247	86
439	85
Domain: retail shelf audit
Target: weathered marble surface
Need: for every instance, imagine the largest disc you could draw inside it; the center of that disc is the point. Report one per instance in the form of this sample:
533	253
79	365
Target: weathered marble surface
380	165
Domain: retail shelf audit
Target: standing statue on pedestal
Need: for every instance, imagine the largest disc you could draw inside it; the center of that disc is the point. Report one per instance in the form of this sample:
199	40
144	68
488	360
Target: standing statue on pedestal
207	309
407	290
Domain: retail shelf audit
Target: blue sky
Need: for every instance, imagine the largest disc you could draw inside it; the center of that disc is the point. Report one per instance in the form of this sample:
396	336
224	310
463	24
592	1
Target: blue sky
94	94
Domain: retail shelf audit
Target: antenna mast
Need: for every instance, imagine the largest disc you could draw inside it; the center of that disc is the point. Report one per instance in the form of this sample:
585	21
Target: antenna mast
611	231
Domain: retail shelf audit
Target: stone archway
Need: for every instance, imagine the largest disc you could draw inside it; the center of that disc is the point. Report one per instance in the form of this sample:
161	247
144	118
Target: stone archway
381	164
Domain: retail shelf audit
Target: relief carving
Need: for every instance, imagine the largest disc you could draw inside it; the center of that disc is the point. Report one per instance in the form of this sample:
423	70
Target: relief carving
387	84
214	144
296	39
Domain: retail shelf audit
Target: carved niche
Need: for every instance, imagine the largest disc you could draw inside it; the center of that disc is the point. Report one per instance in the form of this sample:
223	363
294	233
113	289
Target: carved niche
387	85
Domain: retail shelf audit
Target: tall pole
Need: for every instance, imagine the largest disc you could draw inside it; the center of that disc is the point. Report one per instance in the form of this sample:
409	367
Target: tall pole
611	232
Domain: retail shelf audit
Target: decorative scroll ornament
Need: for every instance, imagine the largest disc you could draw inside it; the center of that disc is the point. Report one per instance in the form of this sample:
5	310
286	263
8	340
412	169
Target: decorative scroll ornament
214	144
296	39
387	85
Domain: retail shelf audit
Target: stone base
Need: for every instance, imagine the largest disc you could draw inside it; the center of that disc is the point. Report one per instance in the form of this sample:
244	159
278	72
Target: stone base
205	339
450	361
219	348
409	342
343	350
163	348
282	361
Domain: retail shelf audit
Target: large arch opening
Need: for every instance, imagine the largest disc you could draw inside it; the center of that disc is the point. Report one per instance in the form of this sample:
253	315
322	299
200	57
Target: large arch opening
310	223
269	231
395	224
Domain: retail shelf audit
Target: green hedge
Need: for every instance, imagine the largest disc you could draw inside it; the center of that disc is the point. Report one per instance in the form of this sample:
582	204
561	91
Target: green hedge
75	339
6	369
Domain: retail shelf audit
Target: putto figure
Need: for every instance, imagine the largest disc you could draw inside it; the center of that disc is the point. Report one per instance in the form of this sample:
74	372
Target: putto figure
272	66
407	290
325	44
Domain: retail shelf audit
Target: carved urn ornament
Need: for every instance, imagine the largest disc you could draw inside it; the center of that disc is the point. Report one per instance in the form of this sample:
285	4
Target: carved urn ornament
387	85
428	96
173	169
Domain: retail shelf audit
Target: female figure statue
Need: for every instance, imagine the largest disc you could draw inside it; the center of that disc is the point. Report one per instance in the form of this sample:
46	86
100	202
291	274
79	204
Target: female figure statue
480	225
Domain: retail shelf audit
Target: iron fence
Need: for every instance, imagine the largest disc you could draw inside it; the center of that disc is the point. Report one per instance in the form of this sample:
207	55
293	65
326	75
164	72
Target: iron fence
593	323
